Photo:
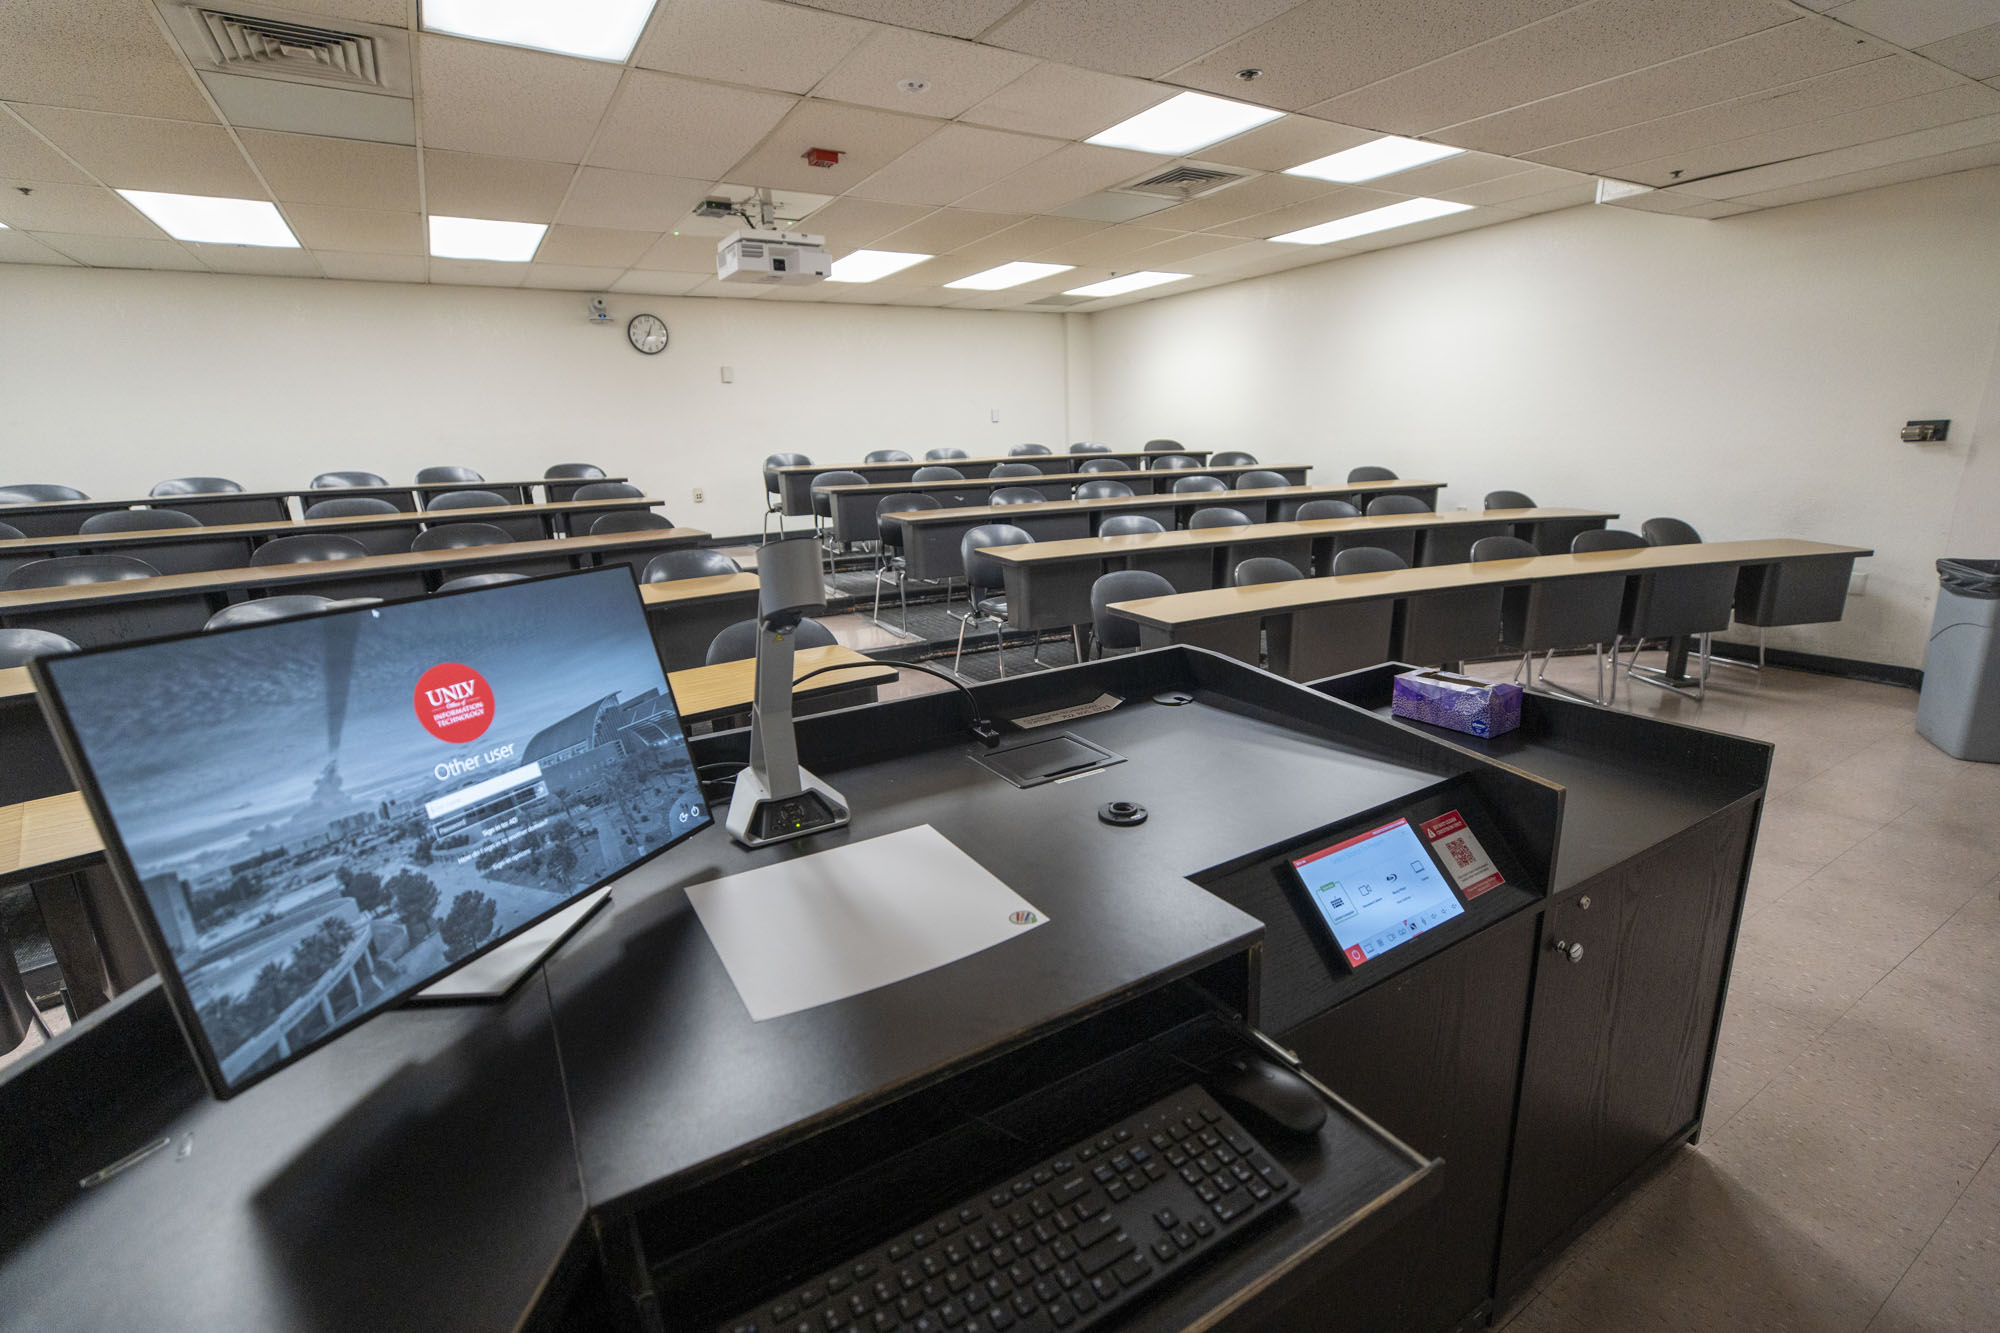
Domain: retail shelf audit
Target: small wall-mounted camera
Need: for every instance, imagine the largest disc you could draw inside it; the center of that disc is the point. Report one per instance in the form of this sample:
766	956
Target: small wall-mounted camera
1925	432
600	310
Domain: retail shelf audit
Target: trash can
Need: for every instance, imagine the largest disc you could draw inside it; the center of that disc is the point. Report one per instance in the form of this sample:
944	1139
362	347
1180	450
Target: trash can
1959	710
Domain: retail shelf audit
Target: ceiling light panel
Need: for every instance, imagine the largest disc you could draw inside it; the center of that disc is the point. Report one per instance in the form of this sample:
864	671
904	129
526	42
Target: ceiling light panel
1184	123
1009	275
1380	157
483	238
200	217
1130	282
1375	219
593	29
870	265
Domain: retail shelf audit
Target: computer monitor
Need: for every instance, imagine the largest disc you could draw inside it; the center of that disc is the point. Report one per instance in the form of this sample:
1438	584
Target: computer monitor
314	818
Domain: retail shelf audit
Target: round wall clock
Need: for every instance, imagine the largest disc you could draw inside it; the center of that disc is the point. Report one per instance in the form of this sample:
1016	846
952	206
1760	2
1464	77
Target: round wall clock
648	334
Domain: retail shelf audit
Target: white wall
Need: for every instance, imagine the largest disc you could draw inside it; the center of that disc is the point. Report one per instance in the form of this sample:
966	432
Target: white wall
1748	375
110	381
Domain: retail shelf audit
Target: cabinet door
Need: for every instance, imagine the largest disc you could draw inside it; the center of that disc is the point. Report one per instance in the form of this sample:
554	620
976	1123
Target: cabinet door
1626	997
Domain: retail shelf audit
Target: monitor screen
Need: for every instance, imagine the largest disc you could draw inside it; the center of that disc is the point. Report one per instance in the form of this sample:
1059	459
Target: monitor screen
1376	889
316	817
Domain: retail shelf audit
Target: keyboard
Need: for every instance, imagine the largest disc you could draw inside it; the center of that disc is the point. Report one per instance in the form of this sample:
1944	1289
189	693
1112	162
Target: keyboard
1064	1246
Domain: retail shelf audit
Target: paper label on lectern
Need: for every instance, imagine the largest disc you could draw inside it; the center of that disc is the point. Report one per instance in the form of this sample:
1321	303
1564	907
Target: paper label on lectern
1464	859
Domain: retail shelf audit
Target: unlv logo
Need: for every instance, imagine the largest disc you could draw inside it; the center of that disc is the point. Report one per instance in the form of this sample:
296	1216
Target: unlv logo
454	703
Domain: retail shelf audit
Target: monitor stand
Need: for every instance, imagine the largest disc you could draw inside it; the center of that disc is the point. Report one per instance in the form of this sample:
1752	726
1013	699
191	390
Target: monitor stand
492	975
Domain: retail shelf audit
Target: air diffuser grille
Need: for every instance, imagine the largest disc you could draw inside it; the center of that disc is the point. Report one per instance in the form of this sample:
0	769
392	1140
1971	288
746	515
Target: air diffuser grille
247	44
1185	180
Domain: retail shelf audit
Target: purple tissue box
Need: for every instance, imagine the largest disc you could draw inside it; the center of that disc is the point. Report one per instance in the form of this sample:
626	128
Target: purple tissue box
1478	707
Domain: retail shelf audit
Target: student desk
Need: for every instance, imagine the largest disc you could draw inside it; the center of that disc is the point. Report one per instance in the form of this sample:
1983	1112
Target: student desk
686	614
1048	583
48	518
1229	620
931	536
795	483
853	507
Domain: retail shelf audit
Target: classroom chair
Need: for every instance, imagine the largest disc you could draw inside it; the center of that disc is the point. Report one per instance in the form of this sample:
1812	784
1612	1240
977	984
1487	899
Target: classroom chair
35	492
1105	465
184	557
1017	495
264	609
889	535
431	476
1260	480
334	481
1562	613
1199	485
1014	470
629	520
195	486
936	473
1218	516
20	644
465	581
983	587
1023	450
1508	500
738	642
1232	458
692	563
459	537
1121	585
888	456
1129	525
306	548
774	487
1263	569
1102	490
385	539
1370	474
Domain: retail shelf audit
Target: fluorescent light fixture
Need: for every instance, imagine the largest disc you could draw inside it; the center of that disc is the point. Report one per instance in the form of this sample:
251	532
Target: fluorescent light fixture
594	29
1184	123
199	217
1375	219
1379	157
1131	282
1009	275
868	265
483	238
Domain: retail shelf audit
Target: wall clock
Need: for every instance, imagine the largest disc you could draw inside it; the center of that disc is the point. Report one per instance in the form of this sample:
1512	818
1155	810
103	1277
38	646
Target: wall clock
648	333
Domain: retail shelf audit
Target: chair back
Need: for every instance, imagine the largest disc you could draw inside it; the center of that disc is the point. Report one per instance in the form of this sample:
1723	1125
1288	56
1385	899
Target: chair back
1102	490
1669	532
431	476
1023	450
306	548
262	609
1508	500
34	492
692	563
138	520
475	499
1163	446
1175	463
1367	560
933	455
19	644
1122	585
1089	447
1129	525
1263	569
887	456
1105	465
1218	516
565	472
334	481
1502	548
1014	470
891	534
1312	509
629	520
1397	504
935	473
823	504
69	571
1606	539
1017	495
982	572
1199	485
1370	474
608	490
459	537
1260	480
379	539
8	532
464	581
738	642
351	507
196	486
773	462
1232	458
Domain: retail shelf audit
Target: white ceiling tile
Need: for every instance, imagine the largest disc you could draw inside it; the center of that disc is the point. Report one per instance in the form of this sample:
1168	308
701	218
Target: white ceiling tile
927	296
1880	152
130	153
506	189
571	277
1258	195
945	268
868	140
680	254
24	156
1914	23
952	163
1023	239
364	230
309	108
260	259
671	126
600	247
307	169
751	42
1289	141
1965	159
660	284
393	13
629	200
1451	173
955	18
17	247
1064	175
373	268
477	273
1064	102
480	97
956	74
1341	203
1170	255
944	231
1574	48
1519	185
1769	59
851	224
742	291
1329	47
123	251
102	55
1130	36
87	210
1250	254
1564	196
1975	54
1112	245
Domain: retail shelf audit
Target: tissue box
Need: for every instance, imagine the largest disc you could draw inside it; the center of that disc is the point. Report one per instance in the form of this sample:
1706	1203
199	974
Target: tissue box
1477	707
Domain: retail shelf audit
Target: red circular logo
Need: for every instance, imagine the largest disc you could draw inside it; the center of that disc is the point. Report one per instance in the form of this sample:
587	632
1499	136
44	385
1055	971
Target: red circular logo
454	703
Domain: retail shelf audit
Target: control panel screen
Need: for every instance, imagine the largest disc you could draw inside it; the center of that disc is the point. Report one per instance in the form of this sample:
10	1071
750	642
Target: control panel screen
1376	890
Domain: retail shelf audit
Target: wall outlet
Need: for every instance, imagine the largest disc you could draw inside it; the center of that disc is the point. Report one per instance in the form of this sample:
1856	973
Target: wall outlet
1857	584
993	415
729	374
700	496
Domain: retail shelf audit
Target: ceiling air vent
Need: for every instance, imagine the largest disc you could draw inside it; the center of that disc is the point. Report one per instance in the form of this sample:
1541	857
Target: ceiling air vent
247	44
1185	180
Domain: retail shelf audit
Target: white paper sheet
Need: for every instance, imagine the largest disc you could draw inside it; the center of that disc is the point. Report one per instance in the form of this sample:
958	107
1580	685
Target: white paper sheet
823	927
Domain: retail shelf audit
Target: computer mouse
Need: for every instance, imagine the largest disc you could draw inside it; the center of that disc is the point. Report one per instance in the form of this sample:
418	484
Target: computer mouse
1276	1095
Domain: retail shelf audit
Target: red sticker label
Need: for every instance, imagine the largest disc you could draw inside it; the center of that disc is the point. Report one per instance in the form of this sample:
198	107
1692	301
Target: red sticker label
454	703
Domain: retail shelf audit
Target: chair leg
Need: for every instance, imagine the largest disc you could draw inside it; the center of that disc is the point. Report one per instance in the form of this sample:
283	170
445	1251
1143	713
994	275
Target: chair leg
961	645
903	598
1000	646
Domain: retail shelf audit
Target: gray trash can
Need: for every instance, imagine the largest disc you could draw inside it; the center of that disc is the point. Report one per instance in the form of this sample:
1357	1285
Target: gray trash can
1959	710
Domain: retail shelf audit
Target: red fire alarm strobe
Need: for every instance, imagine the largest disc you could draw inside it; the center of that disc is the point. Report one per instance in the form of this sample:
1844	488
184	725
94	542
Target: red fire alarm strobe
823	157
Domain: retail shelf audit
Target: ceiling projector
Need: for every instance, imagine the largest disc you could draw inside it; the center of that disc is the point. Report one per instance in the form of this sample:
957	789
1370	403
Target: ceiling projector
791	258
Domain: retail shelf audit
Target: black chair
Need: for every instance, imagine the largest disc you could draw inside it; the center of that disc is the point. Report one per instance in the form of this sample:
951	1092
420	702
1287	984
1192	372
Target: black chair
10	533
1175	463
1199	485
1121	585
334	481
1668	604
307	548
738	642
1559	613
1102	490
1017	495
1370	474
1312	509
1218	516
629	520
1105	465
181	557
1263	569
937	474
889	535
1404	544
1129	525
592	490
1232	458
1346	636
383	539
692	563
36	492
460	537
574	472
137	520
1397	504
263	609
1508	500
982	578
934	455
19	645
887	456
1260	480
1163	446
1024	450
1449	628
1089	447
774	487
1607	539
464	581
120	621
431	476
520	529
823	506
1669	532
195	486
1014	470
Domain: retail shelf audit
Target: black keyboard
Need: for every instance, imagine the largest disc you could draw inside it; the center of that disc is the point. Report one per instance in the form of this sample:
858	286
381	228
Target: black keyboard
1066	1245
